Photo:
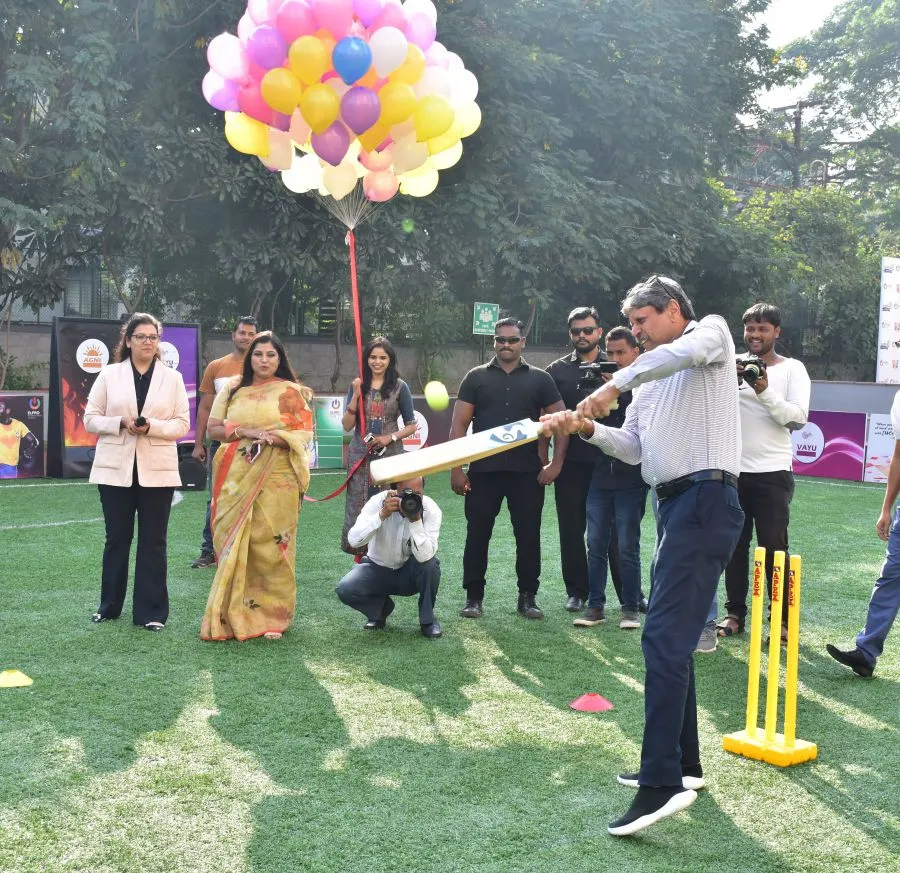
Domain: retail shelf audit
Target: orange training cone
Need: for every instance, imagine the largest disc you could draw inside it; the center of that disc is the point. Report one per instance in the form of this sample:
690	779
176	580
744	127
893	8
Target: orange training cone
591	702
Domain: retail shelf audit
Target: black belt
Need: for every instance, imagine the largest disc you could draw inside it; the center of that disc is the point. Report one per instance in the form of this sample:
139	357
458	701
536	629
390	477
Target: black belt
667	490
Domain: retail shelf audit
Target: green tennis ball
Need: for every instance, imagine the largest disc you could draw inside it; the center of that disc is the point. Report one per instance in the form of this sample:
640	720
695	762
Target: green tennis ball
436	396
408	225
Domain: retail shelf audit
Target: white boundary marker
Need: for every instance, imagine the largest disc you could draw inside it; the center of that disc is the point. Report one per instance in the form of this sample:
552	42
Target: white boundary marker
50	524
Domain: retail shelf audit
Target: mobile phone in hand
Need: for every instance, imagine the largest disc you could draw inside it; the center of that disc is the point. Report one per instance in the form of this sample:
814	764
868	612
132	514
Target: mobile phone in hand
253	451
140	421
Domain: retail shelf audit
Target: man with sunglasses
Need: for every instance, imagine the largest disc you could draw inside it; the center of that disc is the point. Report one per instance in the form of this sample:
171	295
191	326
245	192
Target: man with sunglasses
504	390
683	426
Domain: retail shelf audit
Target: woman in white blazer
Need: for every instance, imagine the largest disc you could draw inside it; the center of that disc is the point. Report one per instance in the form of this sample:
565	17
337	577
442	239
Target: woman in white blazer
140	408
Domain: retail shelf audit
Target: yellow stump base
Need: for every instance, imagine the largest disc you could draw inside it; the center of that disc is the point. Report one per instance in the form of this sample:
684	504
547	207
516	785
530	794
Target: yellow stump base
775	752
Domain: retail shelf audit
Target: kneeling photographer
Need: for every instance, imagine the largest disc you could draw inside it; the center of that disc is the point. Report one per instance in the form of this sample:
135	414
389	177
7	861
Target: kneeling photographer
401	528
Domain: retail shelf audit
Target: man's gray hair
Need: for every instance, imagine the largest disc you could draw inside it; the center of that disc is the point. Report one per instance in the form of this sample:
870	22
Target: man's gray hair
657	291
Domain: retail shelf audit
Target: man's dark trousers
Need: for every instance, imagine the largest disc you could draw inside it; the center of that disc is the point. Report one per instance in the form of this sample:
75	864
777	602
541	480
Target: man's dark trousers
766	500
696	534
570	492
525	501
206	544
368	585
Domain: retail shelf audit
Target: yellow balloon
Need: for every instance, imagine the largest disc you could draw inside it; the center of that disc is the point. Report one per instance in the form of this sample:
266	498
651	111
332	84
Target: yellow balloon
433	116
374	137
309	59
398	100
445	140
281	89
427	167
320	106
410	71
420	186
469	116
246	134
449	158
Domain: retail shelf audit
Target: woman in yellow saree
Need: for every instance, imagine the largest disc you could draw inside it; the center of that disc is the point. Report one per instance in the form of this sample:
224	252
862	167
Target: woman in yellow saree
264	421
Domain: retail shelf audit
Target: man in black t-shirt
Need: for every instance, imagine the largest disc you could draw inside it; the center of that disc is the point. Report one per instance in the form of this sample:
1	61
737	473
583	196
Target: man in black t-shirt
504	390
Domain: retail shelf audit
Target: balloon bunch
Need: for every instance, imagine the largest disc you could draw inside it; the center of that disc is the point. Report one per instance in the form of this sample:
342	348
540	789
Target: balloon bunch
331	92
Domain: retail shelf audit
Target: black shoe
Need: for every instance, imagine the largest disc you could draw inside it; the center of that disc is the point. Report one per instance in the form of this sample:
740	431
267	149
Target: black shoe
379	623
650	805
853	659
432	631
206	559
643	605
528	607
473	609
153	626
575	604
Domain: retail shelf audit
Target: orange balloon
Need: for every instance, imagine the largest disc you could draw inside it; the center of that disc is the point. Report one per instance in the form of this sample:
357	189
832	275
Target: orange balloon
370	80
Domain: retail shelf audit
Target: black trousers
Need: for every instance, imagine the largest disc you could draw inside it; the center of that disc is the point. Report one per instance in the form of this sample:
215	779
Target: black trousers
150	601
766	500
525	502
368	586
570	491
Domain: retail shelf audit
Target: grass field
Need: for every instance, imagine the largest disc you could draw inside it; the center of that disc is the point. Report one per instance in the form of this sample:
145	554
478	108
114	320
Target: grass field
339	750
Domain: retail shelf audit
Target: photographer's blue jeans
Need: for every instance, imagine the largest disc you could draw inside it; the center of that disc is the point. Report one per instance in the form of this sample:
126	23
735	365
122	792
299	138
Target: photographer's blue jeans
206	546
623	508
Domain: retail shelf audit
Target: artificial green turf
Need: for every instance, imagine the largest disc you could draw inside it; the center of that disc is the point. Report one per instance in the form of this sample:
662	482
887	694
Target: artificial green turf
339	750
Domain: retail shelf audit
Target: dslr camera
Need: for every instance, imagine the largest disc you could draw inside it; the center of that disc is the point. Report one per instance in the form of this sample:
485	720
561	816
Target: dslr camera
410	502
754	367
590	376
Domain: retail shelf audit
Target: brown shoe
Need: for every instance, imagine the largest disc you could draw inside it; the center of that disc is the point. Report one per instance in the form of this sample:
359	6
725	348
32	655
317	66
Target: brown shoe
592	617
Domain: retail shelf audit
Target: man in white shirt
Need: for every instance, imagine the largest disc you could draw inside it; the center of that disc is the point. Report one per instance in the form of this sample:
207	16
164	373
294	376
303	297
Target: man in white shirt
771	405
885	600
683	427
401	528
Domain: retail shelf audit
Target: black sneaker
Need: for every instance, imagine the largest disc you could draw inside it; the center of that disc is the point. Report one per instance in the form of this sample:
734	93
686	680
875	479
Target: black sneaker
206	559
650	805
473	609
691	778
853	659
528	607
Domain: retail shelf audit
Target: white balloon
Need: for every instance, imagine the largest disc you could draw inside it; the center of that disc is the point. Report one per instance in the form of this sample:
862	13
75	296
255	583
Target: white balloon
404	130
463	88
339	181
433	81
447	158
409	155
420	186
304	175
455	63
389	47
281	151
426	167
411	7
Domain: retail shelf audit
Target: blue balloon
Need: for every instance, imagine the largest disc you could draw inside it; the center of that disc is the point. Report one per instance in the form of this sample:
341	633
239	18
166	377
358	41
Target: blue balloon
352	58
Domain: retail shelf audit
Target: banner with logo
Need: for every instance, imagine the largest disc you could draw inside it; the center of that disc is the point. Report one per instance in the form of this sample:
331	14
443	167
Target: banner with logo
328	446
831	444
23	434
80	348
879	447
887	368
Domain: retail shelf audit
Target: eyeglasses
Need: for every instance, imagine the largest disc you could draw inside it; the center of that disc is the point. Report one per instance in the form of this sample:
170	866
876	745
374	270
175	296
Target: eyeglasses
578	331
144	338
507	340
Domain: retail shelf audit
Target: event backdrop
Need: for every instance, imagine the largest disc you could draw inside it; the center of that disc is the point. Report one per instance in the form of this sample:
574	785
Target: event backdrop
80	348
30	409
831	444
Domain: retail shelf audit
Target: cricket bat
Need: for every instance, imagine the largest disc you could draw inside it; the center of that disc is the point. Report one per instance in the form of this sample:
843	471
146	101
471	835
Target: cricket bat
455	453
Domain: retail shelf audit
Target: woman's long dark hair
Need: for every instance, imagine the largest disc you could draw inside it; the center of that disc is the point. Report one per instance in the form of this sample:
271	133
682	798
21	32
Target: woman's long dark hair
122	352
391	376
284	371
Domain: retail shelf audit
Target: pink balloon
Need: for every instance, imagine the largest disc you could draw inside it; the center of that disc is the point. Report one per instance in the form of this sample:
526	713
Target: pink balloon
421	31
262	11
280	121
255	73
220	93
367	11
295	19
250	102
335	16
360	109
299	129
245	27
392	15
380	187
438	56
331	146
226	56
376	161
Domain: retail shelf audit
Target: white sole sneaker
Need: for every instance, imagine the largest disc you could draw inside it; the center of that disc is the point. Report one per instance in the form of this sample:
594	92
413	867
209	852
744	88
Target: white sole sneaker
693	783
679	802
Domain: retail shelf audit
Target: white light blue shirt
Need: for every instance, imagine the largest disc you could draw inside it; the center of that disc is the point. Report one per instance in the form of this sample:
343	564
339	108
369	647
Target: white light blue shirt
392	541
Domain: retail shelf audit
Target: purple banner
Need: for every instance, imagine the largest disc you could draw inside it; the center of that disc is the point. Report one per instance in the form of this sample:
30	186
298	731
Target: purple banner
831	444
